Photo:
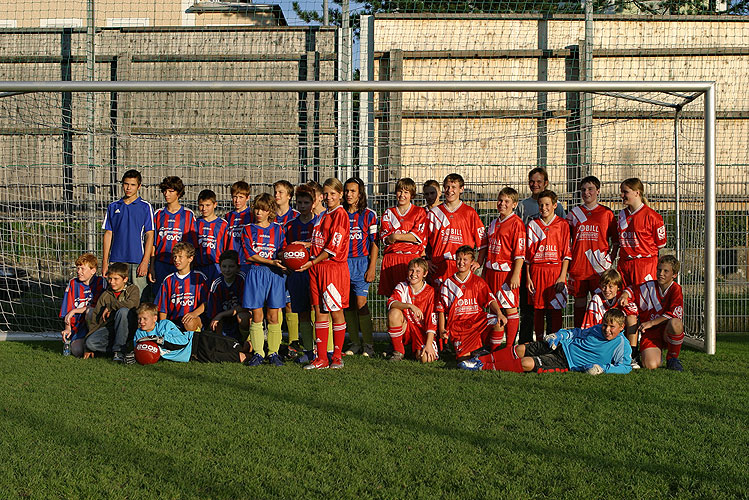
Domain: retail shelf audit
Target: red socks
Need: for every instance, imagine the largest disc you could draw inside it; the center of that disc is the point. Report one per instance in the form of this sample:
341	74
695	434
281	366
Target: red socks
674	345
339	335
321	334
503	359
512	327
396	337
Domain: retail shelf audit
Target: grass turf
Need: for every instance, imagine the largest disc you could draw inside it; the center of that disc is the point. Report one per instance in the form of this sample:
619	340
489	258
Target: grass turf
73	428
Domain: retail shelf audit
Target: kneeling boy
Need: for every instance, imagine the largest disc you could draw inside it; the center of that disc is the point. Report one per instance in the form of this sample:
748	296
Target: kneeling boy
411	316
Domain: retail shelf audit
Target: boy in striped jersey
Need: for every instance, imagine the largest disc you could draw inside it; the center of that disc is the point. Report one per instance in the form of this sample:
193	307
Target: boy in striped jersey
172	224
211	233
611	288
548	256
265	284
594	241
182	295
283	191
227	316
237	219
80	298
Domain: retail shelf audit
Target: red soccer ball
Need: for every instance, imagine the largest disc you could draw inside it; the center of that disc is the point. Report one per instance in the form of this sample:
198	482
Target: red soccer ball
295	256
147	352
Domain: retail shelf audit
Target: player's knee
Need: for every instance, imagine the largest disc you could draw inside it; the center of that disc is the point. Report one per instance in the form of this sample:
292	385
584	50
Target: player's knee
395	317
528	364
675	326
192	324
76	348
652	363
364	309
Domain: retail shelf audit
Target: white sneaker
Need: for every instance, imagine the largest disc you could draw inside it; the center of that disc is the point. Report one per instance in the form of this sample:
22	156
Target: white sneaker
369	351
353	349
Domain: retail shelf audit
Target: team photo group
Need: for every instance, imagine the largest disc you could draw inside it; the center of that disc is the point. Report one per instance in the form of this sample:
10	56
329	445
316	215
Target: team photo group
178	287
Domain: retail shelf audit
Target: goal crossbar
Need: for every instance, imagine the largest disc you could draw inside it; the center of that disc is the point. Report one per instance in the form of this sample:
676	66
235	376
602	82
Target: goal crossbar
696	88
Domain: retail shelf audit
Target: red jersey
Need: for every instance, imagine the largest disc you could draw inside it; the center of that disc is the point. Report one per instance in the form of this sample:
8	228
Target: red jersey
591	230
652	303
331	233
449	230
641	233
548	243
414	221
423	299
463	303
506	239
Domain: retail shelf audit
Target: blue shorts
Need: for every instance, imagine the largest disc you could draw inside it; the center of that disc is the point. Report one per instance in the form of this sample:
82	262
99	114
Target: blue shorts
297	286
357	267
264	286
211	271
162	270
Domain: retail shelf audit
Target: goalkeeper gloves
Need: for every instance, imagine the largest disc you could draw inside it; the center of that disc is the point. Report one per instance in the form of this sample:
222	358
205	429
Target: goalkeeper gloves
553	340
153	338
593	369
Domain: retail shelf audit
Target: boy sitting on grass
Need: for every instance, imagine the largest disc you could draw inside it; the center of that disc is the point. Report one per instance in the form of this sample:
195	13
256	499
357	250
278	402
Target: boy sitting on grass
80	297
600	349
113	320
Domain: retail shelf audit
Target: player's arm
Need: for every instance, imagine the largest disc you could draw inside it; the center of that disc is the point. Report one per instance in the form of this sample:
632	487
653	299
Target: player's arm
517	270
441	326
162	316
374	251
529	281
268	262
429	354
195	313
106	248
147	252
647	325
481	259
625	297
324	255
403	306
494	308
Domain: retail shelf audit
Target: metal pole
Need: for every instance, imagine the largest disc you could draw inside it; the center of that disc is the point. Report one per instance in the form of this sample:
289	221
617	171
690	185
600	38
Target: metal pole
325	17
90	132
366	104
710	235
676	189
587	100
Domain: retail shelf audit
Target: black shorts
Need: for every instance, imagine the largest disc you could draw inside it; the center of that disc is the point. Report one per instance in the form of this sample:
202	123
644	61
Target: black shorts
211	348
545	358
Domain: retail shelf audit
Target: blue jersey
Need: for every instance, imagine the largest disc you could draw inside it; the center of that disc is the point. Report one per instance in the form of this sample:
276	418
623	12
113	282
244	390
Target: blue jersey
587	347
180	295
78	295
296	230
177	344
212	240
237	222
263	241
224	296
362	232
129	222
290	215
171	228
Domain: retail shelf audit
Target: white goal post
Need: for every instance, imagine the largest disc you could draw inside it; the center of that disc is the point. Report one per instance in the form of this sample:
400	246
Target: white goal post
688	90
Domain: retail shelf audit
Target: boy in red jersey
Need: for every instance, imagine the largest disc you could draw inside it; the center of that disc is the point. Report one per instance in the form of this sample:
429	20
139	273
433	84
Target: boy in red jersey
237	219
453	224
329	275
641	234
211	232
403	236
172	224
81	296
460	309
611	288
594	241
411	316
659	321
505	257
548	256
182	295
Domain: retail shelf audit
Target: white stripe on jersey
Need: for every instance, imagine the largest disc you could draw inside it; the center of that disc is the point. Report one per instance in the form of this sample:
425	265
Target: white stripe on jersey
450	292
560	299
535	231
579	215
599	261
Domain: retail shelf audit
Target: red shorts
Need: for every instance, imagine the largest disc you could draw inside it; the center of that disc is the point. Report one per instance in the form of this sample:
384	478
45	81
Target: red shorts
394	270
583	287
467	341
329	285
416	336
638	271
499	284
654	337
445	269
544	277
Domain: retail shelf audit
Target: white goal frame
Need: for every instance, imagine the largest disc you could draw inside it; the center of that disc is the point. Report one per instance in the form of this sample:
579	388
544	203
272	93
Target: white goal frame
696	88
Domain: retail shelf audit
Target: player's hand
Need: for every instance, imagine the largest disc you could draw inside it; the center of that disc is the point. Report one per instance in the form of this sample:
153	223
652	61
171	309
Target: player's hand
389	239
187	318
553	340
68	319
501	320
142	269
304	267
624	299
474	265
305	244
369	276
66	335
443	335
417	312
593	369
279	264
105	314
531	286
514	282
428	354
559	286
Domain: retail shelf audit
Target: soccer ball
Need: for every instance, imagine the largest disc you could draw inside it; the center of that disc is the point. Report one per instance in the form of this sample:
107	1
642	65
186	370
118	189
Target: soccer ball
295	256
147	352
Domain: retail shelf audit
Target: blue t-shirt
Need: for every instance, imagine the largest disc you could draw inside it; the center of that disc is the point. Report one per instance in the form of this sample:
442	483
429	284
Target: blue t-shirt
587	347
128	223
177	344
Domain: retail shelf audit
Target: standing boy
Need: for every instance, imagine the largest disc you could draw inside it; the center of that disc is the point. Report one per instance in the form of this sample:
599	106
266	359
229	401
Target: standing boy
505	258
547	256
172	224
237	219
113	321
594	241
81	296
453	224
283	190
181	298
211	232
128	231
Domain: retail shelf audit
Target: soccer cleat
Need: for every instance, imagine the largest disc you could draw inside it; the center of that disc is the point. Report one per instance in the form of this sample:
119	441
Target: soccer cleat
368	351
353	349
305	357
130	358
275	360
118	357
635	364
317	364
397	356
337	364
472	364
255	360
674	364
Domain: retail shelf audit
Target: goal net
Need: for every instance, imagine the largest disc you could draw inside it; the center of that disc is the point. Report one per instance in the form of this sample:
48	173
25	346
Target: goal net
58	180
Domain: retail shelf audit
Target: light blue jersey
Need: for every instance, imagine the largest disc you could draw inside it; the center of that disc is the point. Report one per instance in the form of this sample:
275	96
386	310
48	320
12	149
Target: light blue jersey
584	348
177	344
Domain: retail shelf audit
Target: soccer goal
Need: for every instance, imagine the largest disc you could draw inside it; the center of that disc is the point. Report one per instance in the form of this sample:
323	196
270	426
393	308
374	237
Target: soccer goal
61	167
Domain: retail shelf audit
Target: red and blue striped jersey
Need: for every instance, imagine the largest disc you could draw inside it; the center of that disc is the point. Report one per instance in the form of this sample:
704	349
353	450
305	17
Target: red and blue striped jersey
180	295
290	215
224	296
170	229
362	232
331	234
237	222
212	240
78	295
297	230
263	241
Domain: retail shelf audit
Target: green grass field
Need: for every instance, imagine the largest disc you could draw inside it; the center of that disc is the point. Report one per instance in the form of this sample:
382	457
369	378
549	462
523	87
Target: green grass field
91	429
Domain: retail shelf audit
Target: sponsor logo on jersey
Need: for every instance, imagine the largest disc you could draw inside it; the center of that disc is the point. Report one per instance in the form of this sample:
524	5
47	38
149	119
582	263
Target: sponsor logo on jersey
183	299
